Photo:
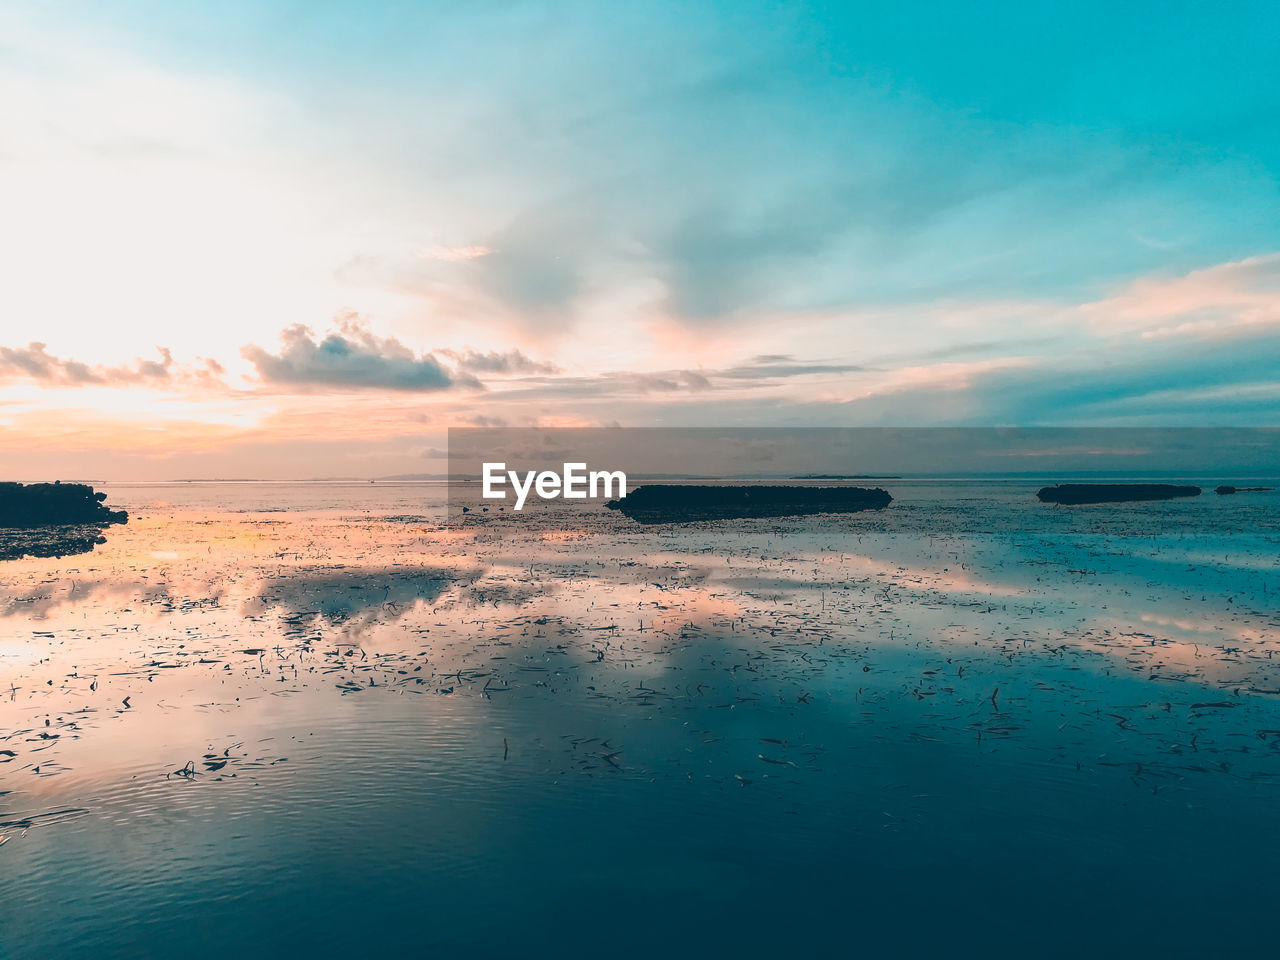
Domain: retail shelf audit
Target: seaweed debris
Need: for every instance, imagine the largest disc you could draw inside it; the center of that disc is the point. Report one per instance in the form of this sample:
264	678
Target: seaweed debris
52	541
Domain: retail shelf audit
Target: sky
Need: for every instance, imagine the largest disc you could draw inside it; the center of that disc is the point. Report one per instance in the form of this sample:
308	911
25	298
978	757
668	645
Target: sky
293	240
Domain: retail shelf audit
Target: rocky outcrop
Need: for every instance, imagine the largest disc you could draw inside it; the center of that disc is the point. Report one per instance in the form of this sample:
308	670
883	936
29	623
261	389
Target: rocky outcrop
678	503
1078	493
46	504
1226	490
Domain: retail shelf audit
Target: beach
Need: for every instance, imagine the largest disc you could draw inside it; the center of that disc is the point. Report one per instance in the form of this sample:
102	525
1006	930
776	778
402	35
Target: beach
262	717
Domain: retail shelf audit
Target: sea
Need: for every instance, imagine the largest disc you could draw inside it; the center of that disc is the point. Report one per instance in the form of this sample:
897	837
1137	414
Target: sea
329	720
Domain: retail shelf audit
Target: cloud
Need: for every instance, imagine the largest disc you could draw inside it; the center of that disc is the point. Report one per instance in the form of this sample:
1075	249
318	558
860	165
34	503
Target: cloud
663	382
780	365
540	262
453	254
1179	382
757	373
1175	382
35	362
352	357
1222	299
511	362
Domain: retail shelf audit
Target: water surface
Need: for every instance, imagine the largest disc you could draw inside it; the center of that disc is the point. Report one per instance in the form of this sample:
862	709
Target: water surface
267	718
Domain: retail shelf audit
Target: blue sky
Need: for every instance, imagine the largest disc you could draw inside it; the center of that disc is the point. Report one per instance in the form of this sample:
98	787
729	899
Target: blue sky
649	213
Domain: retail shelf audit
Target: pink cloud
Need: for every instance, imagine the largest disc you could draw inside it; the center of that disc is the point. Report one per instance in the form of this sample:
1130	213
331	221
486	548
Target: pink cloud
1221	299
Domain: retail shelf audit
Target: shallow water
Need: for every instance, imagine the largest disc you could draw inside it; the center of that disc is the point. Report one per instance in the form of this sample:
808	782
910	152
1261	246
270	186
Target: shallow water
266	718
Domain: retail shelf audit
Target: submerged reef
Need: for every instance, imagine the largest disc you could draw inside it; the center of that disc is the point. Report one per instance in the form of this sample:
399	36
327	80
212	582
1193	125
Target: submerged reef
678	503
1075	493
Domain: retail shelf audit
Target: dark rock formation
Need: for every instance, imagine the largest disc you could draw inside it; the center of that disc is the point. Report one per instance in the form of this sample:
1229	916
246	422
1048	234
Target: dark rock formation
1074	493
678	503
1227	489
45	504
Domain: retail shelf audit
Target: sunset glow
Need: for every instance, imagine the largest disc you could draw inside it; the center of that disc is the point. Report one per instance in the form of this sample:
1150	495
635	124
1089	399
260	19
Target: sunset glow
235	264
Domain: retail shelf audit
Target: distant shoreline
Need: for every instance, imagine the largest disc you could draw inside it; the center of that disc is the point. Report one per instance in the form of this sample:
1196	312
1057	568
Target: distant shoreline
1216	476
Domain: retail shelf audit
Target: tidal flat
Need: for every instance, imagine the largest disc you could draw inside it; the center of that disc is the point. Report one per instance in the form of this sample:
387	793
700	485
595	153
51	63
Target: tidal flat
315	719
